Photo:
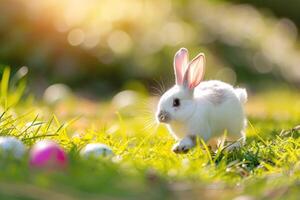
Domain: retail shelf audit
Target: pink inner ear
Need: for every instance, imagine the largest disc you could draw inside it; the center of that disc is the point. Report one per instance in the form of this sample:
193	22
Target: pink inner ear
196	71
180	64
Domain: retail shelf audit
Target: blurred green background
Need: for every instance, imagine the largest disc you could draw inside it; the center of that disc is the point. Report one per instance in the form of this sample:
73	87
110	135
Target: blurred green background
99	47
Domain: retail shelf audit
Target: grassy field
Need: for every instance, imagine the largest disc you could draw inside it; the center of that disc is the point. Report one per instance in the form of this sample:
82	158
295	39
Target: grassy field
144	167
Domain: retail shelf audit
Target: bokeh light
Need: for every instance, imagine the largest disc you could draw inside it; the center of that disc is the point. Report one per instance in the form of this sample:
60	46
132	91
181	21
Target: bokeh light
136	39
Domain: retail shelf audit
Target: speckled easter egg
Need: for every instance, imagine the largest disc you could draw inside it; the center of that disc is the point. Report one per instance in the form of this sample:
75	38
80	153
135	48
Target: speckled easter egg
12	146
47	154
96	150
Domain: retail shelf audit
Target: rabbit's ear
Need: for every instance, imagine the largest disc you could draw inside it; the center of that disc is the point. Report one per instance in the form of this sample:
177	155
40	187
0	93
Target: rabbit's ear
181	60
195	71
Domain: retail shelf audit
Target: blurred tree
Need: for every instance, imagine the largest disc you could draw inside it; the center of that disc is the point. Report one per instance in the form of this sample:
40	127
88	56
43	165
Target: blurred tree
101	45
288	8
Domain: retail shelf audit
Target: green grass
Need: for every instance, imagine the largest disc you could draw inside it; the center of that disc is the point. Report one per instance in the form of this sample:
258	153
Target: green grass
144	167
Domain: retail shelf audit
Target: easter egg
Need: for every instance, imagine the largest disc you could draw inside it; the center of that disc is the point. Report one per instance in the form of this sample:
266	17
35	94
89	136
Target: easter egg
49	155
12	146
96	150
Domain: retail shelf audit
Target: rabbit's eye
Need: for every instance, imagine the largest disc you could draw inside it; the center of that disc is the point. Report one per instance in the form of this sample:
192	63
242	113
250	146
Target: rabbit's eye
176	102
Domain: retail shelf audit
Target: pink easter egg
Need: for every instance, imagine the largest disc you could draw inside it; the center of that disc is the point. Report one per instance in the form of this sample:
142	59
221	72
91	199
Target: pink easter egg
47	154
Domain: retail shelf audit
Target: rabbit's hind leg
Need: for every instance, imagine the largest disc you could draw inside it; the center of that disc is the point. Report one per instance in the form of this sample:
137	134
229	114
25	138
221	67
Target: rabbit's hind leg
236	143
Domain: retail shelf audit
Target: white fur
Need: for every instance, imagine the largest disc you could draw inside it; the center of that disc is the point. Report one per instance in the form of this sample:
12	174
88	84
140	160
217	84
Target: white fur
242	94
202	116
206	109
183	145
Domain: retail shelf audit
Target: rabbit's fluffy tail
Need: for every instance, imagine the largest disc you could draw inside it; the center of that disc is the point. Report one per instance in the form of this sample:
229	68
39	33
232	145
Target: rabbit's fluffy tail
241	94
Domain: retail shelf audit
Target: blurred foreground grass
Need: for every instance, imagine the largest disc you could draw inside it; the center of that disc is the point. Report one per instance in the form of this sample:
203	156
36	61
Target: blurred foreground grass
144	166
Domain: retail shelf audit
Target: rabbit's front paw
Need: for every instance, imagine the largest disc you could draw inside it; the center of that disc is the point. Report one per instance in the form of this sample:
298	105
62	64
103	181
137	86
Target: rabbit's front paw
184	145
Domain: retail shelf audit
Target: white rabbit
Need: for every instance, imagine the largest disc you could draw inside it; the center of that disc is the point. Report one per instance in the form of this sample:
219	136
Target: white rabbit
206	109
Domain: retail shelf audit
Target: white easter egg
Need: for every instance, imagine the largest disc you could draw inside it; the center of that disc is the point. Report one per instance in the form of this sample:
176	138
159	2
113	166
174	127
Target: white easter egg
13	146
96	150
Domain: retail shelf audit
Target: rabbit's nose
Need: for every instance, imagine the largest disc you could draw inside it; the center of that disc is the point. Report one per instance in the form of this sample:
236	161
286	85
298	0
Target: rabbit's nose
163	116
